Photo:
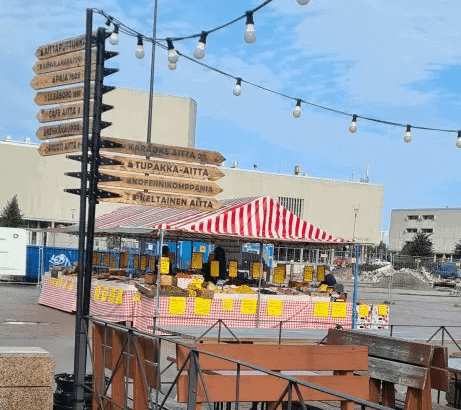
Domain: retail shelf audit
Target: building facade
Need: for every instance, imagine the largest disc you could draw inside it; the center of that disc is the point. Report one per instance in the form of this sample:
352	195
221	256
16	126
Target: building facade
443	225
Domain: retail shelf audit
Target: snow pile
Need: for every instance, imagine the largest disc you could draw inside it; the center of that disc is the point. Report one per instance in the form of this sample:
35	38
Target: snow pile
401	279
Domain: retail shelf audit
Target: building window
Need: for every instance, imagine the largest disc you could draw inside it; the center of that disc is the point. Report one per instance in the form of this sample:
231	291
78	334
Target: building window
412	217
294	205
427	230
428	217
412	230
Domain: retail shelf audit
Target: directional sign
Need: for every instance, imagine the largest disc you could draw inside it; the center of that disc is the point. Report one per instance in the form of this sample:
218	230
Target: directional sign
165	168
60	147
64	77
158	183
167	152
63	62
162	200
63	112
62	47
65	129
63	95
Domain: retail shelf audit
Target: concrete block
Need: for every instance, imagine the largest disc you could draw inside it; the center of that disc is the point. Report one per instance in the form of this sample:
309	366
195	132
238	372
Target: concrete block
25	367
31	398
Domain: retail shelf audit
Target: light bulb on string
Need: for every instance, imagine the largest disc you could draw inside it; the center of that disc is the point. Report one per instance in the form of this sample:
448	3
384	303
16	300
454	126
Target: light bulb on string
108	22
139	48
250	32
237	88
353	126
458	140
297	110
173	55
303	2
113	39
407	137
171	65
200	50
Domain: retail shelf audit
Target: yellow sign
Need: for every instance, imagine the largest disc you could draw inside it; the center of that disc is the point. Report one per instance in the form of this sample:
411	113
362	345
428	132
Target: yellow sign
164	265
105	293
321	309
308	273
113	262
97	293
64	286
59	283
382	310
197	260
279	274
227	305
136	262
320	273
136	297
70	286
274	308
202	249
248	306
112	295
53	282
176	305
95	258
255	270
143	262
233	269
152	263
106	259
123	259
323	288
214	269
119	297
338	309
363	310
202	306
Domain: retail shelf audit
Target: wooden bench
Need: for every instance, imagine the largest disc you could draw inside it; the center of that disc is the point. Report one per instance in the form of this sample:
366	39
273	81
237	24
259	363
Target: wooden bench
326	366
418	366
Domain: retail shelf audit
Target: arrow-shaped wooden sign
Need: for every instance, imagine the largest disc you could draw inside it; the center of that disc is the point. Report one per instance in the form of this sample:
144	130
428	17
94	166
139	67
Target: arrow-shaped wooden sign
165	168
62	47
64	62
67	112
65	129
60	147
162	200
159	183
63	77
169	152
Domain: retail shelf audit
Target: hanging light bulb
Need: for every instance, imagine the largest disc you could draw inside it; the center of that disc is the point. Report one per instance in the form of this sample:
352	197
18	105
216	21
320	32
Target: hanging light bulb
113	39
173	55
200	50
250	32
297	110
353	126
139	48
303	2
171	65
237	88
407	137
458	140
108	21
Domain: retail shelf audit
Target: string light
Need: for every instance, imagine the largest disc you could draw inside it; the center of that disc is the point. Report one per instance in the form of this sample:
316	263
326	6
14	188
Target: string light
113	39
237	88
353	126
458	140
173	56
171	65
250	32
108	22
200	50
139	48
303	2
407	137
297	110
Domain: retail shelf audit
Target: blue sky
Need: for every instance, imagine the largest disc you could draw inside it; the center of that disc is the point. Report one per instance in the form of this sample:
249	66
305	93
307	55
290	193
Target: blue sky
385	59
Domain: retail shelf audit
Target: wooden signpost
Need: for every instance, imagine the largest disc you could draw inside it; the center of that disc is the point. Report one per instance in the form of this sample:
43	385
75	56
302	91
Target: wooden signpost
58	78
62	112
63	62
162	200
162	184
63	95
65	129
65	146
62	47
169	152
165	168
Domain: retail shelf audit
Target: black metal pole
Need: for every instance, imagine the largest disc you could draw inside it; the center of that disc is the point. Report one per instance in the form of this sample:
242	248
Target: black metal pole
80	336
152	76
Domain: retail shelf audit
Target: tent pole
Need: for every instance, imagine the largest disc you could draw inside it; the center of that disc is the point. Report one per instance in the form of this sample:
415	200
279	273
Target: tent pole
259	282
157	291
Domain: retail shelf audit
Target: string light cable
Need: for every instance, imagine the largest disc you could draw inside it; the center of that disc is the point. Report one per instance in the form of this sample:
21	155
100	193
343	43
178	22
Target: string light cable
239	80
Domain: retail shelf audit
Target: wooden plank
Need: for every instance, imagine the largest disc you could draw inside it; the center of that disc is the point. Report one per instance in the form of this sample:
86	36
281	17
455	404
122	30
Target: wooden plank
396	372
62	130
63	62
169	152
62	95
374	389
270	388
419	354
163	184
61	47
440	357
165	168
118	387
276	357
65	146
59	78
440	378
63	112
160	199
388	394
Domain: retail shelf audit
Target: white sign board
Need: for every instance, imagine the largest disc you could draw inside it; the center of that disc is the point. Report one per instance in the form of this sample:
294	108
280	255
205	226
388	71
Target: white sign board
13	251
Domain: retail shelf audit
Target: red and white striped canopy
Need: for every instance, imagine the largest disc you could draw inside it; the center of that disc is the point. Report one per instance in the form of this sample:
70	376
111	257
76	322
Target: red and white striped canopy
253	219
